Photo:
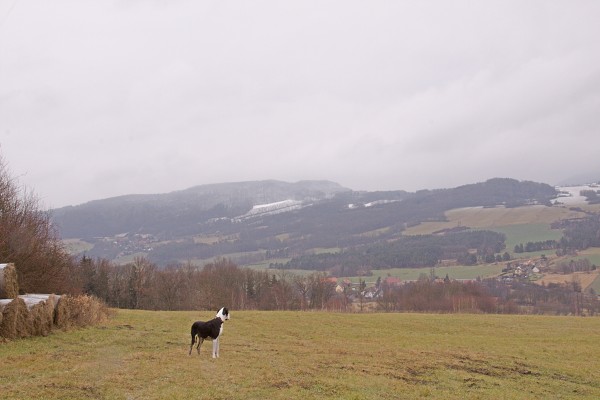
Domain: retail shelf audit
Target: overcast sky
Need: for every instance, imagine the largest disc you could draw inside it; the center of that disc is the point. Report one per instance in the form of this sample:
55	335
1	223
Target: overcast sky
105	98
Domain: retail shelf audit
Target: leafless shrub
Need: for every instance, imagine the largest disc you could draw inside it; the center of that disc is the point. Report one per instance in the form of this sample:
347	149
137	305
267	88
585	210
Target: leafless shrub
29	239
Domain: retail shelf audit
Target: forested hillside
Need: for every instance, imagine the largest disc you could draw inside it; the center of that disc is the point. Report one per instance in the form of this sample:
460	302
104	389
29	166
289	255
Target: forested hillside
206	222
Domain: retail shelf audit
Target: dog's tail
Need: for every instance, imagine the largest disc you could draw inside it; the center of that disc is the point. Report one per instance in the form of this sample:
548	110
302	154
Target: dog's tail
193	340
193	337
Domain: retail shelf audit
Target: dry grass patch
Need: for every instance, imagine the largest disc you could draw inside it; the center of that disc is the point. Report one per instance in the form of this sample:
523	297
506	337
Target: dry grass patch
313	355
585	279
480	217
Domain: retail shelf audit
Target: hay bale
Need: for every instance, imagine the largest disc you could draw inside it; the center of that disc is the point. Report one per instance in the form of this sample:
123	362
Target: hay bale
79	311
9	285
42	318
33	299
4	303
16	320
62	315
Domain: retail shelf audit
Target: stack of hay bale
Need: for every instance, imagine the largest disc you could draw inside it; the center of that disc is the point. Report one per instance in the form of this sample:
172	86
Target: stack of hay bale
24	316
36	314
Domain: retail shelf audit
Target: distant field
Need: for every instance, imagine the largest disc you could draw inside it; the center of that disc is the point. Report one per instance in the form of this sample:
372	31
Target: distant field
129	258
479	217
592	254
457	272
207	239
312	355
585	279
523	233
326	250
76	246
595	285
520	225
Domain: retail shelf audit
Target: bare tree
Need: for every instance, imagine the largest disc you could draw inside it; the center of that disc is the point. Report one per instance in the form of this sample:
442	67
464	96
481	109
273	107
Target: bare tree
28	239
302	286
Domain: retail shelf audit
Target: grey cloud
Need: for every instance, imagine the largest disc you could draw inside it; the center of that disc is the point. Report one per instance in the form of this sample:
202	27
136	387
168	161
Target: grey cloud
136	96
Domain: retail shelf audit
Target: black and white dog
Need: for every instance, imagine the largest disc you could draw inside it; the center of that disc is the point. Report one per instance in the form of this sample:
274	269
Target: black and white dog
210	330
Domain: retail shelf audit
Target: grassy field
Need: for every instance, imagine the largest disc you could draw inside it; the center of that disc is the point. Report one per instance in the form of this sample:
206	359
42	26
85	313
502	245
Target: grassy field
313	355
595	285
520	225
486	218
523	233
75	246
592	254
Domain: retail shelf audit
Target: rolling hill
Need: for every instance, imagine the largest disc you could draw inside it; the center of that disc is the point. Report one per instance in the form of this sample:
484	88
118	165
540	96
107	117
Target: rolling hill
266	221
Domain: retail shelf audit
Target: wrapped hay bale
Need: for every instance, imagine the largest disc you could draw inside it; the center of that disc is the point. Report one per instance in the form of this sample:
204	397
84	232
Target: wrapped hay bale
16	320
33	299
9	286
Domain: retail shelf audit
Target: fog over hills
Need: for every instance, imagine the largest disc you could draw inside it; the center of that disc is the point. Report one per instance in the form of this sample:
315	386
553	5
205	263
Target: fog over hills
156	213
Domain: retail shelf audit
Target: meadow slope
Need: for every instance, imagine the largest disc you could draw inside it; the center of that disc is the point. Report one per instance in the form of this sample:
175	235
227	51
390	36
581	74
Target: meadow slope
312	355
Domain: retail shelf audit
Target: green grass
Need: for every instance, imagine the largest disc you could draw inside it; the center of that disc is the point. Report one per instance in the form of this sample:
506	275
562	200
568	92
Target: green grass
313	355
592	254
523	233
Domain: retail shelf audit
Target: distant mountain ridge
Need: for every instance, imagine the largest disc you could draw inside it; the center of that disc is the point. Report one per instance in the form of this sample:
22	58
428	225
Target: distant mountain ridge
264	220
153	213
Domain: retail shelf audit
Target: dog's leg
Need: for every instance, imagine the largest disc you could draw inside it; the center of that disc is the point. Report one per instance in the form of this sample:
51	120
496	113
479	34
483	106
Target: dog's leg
200	340
216	347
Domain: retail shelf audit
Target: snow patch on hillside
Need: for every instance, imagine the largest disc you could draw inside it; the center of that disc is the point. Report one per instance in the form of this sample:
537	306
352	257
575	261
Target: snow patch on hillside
371	204
278	207
572	194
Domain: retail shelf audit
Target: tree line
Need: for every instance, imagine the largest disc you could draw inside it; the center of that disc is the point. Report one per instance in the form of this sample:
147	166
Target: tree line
28	238
489	296
143	285
405	252
536	246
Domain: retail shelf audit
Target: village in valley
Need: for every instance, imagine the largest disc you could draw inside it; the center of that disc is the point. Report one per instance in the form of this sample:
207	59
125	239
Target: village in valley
539	272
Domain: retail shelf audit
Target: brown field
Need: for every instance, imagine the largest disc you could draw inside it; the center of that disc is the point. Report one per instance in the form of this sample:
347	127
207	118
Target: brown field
479	217
75	246
585	279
